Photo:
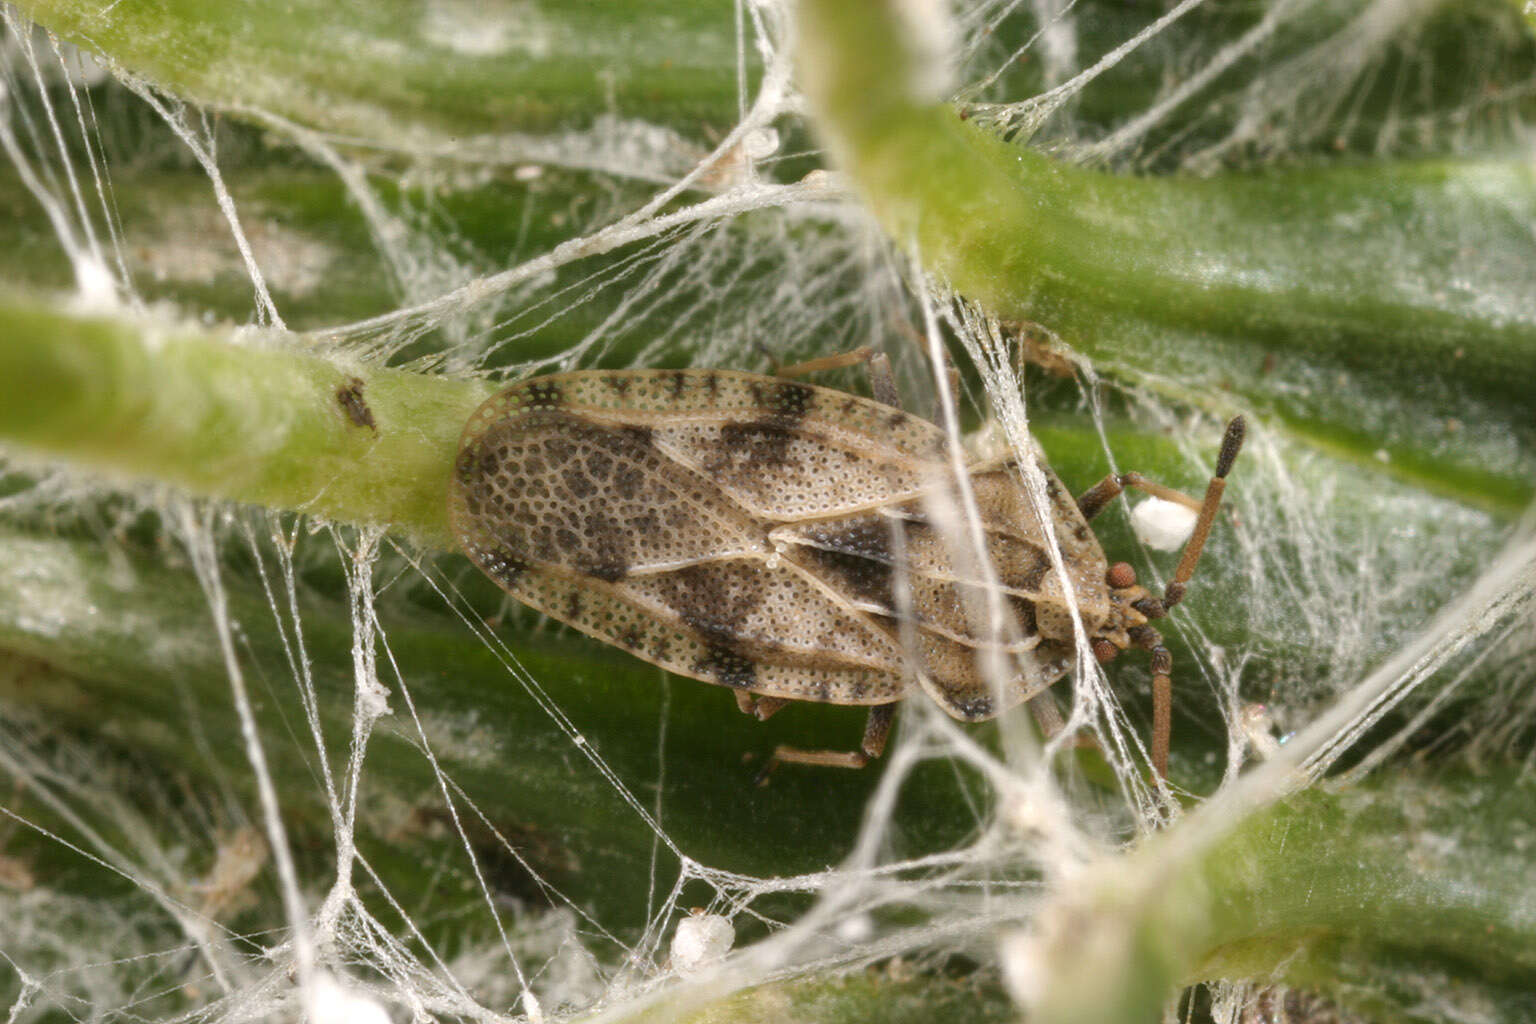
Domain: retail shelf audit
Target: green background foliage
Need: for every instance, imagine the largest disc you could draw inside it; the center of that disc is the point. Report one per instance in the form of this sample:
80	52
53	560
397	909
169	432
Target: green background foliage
1361	288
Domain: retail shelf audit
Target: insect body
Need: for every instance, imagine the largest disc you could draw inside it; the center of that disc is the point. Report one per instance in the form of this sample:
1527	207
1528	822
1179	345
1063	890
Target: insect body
780	539
350	397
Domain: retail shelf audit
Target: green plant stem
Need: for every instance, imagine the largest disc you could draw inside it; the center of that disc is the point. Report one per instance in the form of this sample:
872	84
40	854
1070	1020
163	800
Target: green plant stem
417	77
1324	886
851	999
230	419
1339	300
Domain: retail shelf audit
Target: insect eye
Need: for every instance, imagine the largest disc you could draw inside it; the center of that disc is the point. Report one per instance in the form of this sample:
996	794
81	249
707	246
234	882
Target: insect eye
1103	650
1120	576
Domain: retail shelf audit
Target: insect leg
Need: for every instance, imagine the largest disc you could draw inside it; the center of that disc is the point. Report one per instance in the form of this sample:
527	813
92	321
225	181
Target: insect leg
861	354
760	708
1047	714
1162	708
1162	695
952	375
882	382
877	729
1095	498
1231	444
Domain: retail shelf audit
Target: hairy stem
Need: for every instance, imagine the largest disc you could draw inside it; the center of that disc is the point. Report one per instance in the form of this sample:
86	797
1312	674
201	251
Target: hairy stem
1292	289
1321	888
249	420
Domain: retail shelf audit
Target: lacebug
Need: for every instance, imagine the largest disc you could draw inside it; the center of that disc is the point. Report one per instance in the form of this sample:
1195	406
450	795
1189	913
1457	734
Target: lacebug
781	539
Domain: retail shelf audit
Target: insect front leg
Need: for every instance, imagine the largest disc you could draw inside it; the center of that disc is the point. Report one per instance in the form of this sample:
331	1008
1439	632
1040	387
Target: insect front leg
1102	493
877	729
1096	498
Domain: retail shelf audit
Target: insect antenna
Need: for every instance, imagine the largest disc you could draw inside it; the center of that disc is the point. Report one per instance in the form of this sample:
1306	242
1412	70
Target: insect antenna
1231	444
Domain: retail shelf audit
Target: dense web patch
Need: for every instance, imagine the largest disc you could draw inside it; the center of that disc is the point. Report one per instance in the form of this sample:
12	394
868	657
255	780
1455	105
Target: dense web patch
722	264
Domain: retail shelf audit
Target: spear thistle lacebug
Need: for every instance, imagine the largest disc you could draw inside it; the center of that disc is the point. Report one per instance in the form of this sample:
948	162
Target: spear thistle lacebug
779	539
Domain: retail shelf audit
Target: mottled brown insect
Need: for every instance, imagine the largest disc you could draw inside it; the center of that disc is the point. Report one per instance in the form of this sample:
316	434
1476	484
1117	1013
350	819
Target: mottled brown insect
350	397
787	541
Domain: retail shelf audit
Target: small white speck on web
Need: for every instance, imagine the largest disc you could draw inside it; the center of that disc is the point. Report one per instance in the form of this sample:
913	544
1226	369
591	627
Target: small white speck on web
855	928
700	940
373	699
532	1008
760	144
1163	525
1259	729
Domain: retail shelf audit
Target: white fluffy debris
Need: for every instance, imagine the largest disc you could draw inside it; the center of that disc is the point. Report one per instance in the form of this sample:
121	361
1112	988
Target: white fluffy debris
1163	525
700	940
333	1002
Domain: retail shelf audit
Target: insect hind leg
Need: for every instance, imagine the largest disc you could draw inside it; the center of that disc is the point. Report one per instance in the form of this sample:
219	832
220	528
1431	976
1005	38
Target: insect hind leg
877	730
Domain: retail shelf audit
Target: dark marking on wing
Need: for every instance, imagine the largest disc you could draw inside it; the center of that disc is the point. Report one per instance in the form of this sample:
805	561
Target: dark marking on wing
1024	613
971	709
856	556
714	600
502	566
609	543
727	667
792	402
544	393
756	445
765	442
557	488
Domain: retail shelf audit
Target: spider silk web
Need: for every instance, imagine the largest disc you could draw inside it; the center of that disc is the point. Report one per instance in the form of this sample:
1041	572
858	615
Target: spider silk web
196	894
